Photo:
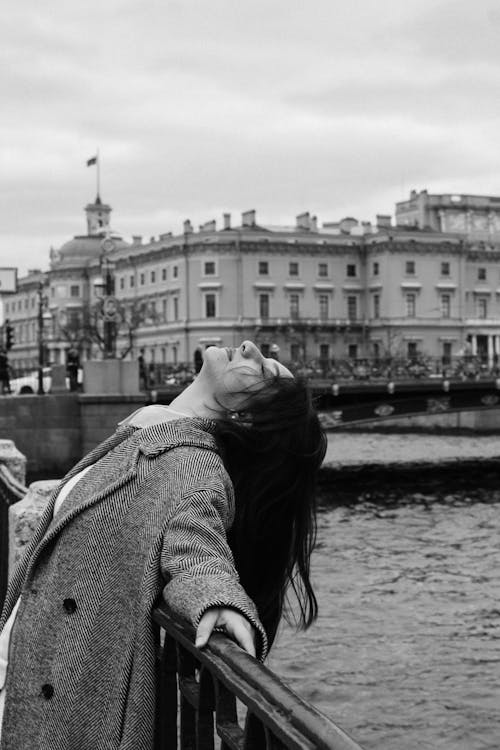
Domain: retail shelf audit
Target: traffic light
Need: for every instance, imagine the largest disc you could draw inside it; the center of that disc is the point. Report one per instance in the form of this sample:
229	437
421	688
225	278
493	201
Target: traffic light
9	335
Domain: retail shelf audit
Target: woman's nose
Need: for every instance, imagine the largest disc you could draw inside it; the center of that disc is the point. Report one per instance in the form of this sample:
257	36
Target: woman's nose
250	351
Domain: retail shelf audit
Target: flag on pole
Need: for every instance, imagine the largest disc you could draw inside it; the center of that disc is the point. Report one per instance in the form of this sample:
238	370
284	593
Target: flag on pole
92	161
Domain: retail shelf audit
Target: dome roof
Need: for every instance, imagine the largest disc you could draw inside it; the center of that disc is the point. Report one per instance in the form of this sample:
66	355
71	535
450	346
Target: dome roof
82	249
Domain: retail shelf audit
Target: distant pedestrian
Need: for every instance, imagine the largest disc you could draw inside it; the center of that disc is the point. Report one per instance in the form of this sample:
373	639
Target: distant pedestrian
72	367
143	372
4	372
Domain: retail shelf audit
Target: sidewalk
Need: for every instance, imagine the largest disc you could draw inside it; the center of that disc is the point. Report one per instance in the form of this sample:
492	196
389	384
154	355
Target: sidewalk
349	449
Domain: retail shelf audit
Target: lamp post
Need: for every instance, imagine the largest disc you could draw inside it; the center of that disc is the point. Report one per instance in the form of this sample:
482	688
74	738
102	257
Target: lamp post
105	286
43	315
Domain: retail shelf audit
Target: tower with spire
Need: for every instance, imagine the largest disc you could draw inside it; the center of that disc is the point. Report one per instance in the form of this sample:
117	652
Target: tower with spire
98	217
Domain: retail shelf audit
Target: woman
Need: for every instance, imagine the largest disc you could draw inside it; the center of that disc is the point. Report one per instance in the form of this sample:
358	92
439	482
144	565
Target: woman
173	503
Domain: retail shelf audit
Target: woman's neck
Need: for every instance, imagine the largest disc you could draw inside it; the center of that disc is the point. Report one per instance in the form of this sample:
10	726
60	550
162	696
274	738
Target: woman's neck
194	401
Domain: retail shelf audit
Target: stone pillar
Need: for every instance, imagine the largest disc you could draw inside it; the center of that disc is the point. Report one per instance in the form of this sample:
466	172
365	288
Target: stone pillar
474	344
13	460
25	515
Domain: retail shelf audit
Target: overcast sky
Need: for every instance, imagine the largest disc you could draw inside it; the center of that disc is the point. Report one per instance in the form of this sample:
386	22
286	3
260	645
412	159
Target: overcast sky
200	107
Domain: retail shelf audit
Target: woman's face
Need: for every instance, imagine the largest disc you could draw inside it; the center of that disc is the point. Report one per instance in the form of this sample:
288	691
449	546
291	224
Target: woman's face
229	373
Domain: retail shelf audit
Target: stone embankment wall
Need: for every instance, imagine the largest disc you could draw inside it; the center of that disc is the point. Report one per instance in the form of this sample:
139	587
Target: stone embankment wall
55	431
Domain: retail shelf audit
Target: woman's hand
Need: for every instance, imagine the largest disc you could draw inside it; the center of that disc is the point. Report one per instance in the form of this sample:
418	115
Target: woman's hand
232	622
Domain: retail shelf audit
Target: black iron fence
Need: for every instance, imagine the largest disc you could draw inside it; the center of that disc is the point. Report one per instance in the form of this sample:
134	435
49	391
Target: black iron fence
368	369
222	697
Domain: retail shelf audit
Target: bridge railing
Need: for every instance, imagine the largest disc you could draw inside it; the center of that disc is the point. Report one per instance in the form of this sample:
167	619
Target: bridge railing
369	369
203	694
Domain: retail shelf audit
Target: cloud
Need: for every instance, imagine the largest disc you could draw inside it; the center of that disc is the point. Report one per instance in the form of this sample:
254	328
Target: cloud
276	105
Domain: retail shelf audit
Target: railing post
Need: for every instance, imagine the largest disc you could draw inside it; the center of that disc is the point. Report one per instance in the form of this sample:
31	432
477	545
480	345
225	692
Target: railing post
12	489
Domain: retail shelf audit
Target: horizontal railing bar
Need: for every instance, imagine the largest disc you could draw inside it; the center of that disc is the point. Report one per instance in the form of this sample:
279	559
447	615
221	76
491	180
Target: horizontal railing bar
259	689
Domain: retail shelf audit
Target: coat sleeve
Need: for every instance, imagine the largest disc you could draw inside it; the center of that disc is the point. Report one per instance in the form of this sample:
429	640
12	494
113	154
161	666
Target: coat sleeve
198	563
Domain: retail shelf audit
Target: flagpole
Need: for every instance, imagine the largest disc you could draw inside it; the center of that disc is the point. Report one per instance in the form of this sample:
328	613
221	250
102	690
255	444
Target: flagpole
98	172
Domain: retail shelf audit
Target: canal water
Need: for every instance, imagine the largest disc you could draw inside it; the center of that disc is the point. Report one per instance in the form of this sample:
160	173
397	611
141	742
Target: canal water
406	651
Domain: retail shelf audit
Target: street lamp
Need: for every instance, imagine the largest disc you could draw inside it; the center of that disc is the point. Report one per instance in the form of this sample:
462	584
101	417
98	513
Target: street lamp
104	287
43	316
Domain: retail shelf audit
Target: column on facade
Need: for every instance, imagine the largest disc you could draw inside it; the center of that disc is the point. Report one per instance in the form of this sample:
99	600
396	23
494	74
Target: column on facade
474	344
497	345
490	350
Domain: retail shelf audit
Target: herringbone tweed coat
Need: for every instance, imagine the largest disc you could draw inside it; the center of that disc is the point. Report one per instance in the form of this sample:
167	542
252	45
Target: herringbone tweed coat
149	517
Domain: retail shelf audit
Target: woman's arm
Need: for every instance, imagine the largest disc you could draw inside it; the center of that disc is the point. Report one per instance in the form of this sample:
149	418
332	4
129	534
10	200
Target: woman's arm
203	585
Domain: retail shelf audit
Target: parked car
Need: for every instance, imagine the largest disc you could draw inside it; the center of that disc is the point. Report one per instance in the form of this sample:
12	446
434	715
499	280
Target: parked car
29	383
26	384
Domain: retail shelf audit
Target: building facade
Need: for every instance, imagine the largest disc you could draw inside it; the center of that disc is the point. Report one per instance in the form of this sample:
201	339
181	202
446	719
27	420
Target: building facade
345	290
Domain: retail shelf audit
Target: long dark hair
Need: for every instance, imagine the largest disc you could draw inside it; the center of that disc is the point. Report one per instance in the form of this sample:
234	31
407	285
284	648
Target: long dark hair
272	450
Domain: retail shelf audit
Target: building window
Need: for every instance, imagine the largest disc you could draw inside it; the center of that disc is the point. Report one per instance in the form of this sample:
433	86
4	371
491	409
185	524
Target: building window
352	307
323	269
445	305
294	306
293	268
294	352
131	281
142	279
74	290
376	306
412	350
323	306
210	305
446	352
352	351
164	310
33	301
163	274
481	274
410	268
445	268
376	350
122	282
376	268
351	270
411	303
153	277
263	268
175	302
263	305
482	307
175	271
324	352
209	268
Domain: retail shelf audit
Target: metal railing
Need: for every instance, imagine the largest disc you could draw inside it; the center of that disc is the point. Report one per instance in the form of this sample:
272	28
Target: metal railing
202	694
369	369
11	490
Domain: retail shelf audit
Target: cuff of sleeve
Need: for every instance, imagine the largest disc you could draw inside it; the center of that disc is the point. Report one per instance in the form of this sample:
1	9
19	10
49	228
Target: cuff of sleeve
190	597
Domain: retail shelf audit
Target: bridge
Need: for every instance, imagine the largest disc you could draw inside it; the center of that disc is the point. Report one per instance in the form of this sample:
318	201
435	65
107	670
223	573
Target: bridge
356	391
348	403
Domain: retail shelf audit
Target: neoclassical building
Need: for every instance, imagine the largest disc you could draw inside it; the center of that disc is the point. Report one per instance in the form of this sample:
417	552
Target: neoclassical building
345	289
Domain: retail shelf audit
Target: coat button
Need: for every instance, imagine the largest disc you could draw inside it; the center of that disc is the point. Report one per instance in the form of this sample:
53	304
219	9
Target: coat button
47	691
70	606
